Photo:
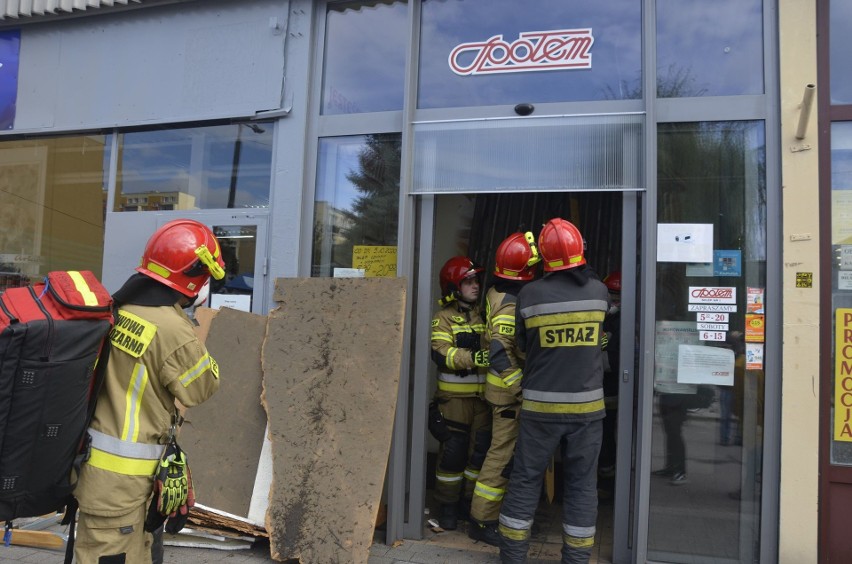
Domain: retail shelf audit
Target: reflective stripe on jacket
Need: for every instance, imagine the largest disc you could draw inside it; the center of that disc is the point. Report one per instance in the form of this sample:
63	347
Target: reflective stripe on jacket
559	325
503	382
156	358
457	374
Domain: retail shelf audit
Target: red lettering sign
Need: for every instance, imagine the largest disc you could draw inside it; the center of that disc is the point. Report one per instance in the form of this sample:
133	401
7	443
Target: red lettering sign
531	51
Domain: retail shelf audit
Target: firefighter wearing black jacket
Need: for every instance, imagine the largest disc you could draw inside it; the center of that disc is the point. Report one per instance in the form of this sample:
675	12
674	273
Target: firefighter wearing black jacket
559	326
514	266
459	418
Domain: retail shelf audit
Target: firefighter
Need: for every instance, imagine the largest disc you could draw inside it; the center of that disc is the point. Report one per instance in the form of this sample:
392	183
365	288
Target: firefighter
558	325
612	363
515	263
155	358
459	418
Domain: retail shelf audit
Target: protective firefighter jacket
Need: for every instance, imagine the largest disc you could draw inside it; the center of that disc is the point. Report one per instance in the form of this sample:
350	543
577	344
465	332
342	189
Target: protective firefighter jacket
50	337
155	359
456	335
503	381
559	326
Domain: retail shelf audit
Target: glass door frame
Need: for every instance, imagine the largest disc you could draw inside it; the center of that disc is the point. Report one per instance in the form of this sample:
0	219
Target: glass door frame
419	396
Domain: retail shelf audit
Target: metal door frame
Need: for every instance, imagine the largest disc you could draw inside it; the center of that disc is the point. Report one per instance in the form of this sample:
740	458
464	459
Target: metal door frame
623	534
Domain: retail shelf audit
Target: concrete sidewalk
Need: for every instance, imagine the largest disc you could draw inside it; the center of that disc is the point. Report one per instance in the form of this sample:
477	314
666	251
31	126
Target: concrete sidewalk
436	548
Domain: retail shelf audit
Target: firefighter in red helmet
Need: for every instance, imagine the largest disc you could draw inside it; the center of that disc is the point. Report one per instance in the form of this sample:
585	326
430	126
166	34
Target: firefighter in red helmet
458	417
515	263
154	359
558	325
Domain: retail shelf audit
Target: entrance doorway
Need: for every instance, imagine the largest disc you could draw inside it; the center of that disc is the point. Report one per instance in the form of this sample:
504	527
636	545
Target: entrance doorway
474	225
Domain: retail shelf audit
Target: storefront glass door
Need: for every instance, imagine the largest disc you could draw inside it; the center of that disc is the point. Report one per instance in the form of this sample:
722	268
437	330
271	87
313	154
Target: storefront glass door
708	379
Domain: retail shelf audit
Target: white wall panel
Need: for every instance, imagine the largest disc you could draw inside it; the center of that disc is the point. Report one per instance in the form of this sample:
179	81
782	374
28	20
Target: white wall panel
175	63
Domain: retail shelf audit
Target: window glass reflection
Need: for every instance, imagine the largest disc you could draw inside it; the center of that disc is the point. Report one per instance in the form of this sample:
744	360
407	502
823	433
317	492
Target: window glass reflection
591	51
52	202
364	57
841	281
708	365
840	41
356	208
223	166
709	48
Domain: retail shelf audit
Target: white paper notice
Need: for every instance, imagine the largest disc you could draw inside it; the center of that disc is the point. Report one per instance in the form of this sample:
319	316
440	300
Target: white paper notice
241	302
685	242
349	273
844	280
670	335
754	356
705	365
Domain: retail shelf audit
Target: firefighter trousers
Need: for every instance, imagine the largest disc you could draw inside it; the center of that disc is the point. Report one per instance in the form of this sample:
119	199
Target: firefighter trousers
537	442
494	475
461	456
113	540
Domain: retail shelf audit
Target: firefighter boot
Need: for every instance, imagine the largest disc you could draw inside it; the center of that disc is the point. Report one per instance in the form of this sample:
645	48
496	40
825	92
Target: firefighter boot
449	519
486	533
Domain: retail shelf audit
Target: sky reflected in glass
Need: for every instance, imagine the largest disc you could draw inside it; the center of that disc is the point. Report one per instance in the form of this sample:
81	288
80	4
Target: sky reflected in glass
709	48
615	55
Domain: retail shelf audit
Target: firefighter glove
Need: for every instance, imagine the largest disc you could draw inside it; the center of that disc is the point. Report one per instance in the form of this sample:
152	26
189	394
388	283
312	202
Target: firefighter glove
604	340
468	340
175	485
178	519
480	358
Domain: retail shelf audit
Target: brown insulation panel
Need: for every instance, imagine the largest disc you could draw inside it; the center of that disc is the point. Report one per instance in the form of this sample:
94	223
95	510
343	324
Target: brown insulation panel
224	435
331	363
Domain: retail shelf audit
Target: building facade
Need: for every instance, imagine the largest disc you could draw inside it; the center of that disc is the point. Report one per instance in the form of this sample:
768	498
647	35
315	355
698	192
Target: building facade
700	148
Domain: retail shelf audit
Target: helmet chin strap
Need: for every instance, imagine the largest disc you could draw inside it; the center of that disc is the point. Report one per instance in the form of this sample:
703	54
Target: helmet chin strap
203	294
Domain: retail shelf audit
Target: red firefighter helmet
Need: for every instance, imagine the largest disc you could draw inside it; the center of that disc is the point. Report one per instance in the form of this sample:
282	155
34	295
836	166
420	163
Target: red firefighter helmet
183	254
453	272
613	281
516	257
561	245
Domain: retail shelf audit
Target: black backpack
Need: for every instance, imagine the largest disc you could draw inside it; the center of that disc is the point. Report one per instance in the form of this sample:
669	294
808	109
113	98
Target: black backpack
51	337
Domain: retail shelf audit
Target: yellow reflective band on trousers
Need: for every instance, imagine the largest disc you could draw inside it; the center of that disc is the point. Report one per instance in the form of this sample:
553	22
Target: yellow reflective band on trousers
133	403
489	493
448	478
121	465
578	542
81	286
544	407
193	373
513	534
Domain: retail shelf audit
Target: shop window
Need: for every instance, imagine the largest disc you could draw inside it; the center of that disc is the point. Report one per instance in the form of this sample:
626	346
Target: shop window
841	290
52	194
709	343
475	53
840	22
357	206
364	56
709	48
212	167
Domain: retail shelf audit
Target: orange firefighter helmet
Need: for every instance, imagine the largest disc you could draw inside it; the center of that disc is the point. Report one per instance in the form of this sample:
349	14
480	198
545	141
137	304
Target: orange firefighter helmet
183	254
561	245
453	272
516	257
